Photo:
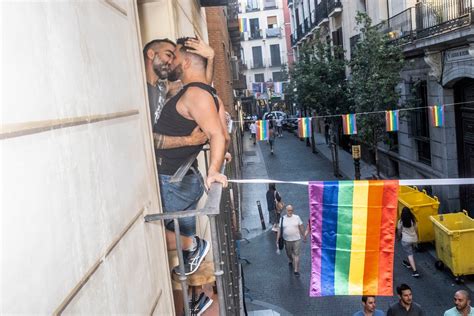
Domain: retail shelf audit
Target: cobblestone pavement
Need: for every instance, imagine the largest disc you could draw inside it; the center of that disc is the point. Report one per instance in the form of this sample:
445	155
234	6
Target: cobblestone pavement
268	277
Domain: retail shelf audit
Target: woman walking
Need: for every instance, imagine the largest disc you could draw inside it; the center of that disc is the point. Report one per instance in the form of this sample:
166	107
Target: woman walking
273	197
407	231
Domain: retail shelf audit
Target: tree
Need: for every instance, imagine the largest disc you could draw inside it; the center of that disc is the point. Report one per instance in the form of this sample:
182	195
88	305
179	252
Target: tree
375	69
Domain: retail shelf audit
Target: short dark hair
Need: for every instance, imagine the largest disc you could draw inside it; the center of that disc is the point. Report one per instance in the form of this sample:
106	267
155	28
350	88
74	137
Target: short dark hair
402	287
184	49
365	297
155	43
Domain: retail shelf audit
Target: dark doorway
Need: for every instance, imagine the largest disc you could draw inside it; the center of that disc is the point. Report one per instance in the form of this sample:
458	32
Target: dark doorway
464	92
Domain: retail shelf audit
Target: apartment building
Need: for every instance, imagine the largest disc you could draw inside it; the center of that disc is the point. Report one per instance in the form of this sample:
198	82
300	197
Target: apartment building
264	47
437	37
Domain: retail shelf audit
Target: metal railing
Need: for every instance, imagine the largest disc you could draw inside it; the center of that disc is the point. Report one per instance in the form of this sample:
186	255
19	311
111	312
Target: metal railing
299	32
437	16
321	12
307	26
399	26
222	206
333	5
274	32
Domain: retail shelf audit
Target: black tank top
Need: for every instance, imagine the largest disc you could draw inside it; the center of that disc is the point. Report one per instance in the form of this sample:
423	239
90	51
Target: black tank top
171	123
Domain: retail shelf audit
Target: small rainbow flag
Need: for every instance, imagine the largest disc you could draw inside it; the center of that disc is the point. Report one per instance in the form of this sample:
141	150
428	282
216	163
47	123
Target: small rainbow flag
352	237
304	127
391	119
349	124
263	130
437	115
243	25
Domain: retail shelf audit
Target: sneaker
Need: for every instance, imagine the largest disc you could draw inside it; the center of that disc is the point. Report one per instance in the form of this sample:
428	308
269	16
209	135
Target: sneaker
201	304
290	264
193	259
297	274
406	264
415	274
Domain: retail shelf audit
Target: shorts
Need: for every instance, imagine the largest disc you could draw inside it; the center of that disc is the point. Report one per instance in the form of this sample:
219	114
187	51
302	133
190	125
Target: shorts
407	247
181	196
293	247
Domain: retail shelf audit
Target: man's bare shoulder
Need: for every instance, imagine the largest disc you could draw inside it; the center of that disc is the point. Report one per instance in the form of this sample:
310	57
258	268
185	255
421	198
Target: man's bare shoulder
197	95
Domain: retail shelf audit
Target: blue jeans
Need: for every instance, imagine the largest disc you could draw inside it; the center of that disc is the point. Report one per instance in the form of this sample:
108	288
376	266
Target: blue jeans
181	196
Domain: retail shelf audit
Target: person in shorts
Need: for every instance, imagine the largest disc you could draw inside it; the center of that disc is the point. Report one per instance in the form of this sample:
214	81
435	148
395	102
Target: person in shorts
407	232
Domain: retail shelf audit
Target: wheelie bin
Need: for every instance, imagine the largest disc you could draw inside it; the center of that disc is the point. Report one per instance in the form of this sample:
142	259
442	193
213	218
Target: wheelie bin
454	234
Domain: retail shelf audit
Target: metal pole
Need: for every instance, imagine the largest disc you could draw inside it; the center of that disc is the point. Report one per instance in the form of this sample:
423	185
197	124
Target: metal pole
182	277
260	213
217	265
357	168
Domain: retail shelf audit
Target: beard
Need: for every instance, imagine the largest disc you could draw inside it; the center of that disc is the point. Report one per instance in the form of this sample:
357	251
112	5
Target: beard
176	73
161	70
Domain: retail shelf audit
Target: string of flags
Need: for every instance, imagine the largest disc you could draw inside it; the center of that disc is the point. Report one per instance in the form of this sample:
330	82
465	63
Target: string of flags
349	122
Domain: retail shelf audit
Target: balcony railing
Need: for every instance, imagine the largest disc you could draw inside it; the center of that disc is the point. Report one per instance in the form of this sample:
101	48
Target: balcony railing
438	16
307	25
321	13
399	26
334	7
269	5
299	32
255	34
274	32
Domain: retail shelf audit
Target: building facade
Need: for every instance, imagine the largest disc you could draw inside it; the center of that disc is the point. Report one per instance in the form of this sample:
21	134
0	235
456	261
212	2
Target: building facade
437	37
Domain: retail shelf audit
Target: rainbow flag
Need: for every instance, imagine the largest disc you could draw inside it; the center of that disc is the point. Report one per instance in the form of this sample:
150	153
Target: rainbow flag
243	25
349	124
391	120
437	115
263	130
304	127
352	237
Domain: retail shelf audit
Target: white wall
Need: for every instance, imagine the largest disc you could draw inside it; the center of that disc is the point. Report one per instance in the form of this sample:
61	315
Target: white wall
73	198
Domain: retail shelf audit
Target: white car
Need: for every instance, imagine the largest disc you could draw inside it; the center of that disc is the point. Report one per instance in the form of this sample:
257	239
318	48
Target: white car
275	114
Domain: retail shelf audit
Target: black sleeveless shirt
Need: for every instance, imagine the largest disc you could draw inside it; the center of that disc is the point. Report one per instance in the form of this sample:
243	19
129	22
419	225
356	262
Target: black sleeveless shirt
171	123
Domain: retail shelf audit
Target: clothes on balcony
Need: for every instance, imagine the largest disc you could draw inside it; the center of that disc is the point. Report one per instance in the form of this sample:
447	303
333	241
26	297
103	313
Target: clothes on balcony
274	32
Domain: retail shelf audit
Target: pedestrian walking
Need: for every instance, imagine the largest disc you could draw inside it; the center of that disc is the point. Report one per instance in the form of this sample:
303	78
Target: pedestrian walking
279	126
274	205
271	138
368	307
407	232
253	131
293	230
405	306
326	132
462	305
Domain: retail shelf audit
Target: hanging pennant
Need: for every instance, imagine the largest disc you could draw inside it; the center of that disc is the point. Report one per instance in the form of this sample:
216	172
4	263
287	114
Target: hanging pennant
352	237
263	130
437	115
391	120
304	127
349	124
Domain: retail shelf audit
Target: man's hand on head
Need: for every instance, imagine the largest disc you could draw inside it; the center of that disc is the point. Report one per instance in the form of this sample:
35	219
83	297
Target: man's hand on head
198	46
216	177
197	137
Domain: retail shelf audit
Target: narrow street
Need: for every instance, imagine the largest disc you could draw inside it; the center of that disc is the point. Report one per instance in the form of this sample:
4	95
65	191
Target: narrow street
272	285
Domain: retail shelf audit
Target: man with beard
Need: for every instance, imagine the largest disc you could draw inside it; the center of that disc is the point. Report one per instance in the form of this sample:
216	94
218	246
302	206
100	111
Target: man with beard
462	302
158	55
196	105
405	306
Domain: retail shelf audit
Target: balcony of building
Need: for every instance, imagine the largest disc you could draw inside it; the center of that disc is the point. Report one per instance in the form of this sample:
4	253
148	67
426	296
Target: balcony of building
398	27
269	5
307	25
273	32
439	16
334	7
322	16
255	34
252	8
290	4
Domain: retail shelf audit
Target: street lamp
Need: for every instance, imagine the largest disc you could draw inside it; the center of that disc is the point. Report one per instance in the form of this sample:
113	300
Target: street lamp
356	157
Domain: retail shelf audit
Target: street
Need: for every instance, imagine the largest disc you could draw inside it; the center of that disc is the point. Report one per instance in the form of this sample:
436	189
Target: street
271	284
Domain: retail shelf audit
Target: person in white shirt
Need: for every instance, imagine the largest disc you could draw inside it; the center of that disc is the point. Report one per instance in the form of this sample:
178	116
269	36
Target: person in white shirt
407	230
253	131
462	302
279	126
293	230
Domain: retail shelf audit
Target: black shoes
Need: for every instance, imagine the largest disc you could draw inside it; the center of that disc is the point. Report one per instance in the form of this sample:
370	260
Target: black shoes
406	264
200	306
193	259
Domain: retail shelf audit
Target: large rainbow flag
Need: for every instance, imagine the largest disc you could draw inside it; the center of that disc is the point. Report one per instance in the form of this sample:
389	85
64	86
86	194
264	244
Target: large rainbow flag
263	130
349	125
304	127
437	115
352	237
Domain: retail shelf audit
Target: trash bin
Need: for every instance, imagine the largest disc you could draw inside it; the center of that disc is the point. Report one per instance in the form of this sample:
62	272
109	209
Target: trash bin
454	233
422	206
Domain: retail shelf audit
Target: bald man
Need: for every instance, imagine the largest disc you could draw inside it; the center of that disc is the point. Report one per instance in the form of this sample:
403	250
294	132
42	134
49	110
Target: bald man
462	302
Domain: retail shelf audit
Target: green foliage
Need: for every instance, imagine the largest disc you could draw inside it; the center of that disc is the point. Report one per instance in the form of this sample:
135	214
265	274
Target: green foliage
375	69
319	78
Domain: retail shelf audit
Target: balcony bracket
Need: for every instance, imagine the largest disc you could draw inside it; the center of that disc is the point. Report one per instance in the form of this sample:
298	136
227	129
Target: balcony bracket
434	60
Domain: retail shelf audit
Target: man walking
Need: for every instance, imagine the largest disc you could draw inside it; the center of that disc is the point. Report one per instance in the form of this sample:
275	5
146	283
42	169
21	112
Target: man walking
368	307
253	132
462	302
405	306
195	105
293	230
279	126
